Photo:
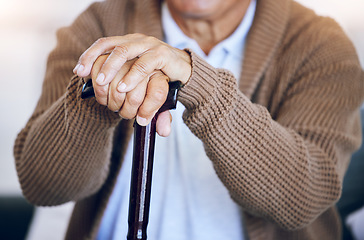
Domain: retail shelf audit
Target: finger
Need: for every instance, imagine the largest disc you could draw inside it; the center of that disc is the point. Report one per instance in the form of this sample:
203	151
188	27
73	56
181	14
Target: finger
101	46
101	92
133	100
174	63
98	65
143	67
163	125
156	95
118	57
116	98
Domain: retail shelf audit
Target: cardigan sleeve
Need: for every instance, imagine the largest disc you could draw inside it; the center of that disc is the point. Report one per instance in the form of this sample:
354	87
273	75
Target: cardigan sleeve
54	158
287	169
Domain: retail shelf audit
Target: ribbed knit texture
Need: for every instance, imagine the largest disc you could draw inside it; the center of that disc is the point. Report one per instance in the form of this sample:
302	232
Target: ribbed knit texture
280	141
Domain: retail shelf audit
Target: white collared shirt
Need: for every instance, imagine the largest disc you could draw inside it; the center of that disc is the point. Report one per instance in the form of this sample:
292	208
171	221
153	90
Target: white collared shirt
188	200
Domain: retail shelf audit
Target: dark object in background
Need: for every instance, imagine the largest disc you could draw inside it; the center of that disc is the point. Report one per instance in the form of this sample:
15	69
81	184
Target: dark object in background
15	217
352	197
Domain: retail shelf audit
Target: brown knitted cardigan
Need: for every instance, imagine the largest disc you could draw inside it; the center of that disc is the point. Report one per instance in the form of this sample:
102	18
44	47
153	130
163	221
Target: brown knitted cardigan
280	141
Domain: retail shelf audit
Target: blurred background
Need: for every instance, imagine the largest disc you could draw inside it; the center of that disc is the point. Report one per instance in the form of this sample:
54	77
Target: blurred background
27	30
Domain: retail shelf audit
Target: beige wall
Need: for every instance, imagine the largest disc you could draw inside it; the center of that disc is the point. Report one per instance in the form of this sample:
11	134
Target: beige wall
27	30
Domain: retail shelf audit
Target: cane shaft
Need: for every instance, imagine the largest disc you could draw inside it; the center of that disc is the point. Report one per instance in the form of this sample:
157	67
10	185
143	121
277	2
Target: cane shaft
142	167
141	180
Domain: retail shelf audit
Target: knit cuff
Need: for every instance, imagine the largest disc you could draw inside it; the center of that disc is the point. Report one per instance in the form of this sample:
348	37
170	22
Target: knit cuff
209	96
196	90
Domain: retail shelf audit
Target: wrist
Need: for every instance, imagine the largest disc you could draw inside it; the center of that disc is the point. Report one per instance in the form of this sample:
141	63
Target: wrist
186	57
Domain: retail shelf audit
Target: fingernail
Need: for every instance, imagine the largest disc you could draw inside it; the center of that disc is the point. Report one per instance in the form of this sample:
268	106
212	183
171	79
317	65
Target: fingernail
80	69
100	79
75	69
121	87
142	121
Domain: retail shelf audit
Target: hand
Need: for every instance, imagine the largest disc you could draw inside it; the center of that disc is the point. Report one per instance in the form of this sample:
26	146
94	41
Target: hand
144	100
115	77
151	53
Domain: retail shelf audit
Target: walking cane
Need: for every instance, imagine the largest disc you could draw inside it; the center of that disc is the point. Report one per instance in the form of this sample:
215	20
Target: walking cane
142	167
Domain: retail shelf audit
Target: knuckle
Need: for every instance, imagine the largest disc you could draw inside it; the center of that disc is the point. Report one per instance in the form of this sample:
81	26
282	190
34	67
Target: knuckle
163	50
159	95
100	41
121	51
138	35
125	115
150	39
127	112
145	114
100	94
115	101
140	68
119	97
113	106
111	68
135	100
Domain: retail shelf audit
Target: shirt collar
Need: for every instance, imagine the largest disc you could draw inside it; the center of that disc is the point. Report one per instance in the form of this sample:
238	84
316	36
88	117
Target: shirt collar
234	44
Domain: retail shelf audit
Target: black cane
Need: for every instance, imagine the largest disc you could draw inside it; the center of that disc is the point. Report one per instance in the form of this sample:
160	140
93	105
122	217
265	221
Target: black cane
142	167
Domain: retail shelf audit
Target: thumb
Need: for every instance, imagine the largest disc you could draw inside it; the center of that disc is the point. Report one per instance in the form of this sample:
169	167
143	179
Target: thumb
164	121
